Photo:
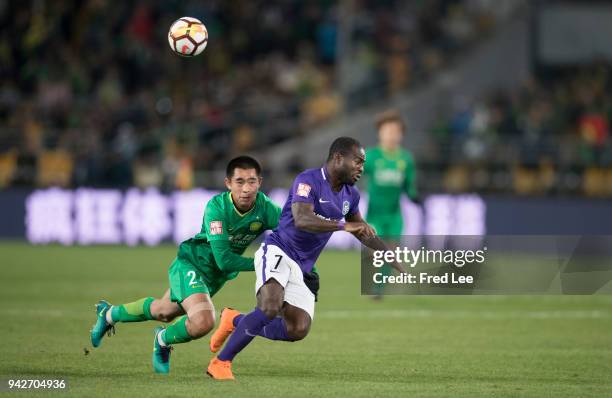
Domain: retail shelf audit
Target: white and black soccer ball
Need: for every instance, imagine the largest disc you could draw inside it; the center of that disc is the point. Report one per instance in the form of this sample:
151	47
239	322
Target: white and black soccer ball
187	36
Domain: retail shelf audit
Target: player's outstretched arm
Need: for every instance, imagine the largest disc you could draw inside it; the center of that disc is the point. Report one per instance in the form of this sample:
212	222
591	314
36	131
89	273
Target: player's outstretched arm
229	261
306	220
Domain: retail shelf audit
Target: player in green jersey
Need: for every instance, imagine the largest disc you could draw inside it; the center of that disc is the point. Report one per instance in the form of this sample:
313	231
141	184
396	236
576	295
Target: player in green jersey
390	171
232	220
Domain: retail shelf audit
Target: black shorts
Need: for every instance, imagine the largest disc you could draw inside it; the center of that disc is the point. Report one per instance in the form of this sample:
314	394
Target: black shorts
311	279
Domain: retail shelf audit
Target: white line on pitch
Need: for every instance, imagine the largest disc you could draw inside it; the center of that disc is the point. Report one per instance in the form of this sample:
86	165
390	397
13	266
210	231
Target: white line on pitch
454	314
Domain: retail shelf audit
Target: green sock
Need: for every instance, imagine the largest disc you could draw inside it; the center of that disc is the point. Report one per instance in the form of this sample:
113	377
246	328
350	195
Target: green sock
177	332
138	311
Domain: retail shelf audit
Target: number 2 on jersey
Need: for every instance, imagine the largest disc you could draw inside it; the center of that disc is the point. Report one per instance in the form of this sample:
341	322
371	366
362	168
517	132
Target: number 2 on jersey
193	280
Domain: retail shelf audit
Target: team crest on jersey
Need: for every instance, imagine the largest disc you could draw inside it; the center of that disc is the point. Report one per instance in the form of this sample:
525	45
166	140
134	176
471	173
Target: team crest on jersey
255	226
345	207
216	227
303	190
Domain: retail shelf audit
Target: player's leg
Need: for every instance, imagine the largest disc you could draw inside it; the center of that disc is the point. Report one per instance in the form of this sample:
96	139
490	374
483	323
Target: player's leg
164	309
380	226
294	301
293	325
144	309
389	229
288	327
269	305
296	325
298	311
197	322
187	287
272	275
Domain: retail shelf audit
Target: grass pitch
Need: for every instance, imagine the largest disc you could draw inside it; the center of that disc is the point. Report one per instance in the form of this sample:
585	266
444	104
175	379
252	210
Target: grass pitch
414	346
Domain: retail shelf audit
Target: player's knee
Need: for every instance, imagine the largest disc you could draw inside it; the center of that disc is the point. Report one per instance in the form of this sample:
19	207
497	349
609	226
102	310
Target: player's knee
201	324
298	330
271	308
163	312
165	316
270	298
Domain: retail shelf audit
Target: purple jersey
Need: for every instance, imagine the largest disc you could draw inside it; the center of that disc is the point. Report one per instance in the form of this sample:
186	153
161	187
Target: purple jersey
312	186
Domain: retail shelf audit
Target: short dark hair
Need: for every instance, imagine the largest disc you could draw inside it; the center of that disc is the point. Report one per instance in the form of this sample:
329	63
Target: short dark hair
390	116
343	146
242	162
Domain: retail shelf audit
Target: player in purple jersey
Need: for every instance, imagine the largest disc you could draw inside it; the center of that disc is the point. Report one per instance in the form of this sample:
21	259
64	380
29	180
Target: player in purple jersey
321	201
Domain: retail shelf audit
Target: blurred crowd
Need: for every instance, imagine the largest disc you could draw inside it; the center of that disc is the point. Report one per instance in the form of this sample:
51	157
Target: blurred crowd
550	135
91	95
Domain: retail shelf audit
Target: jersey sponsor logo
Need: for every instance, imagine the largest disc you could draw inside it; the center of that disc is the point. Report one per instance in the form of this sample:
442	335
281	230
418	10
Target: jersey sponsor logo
323	201
389	177
242	239
255	226
303	190
345	207
325	218
216	227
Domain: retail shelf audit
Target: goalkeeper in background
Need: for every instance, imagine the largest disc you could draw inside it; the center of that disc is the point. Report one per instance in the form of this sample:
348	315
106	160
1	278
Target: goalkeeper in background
390	171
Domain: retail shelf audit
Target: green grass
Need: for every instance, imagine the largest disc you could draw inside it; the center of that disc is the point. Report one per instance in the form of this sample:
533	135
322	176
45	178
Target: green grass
417	346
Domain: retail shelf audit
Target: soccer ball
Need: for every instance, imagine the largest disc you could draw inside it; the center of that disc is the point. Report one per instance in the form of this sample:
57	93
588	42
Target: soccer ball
187	37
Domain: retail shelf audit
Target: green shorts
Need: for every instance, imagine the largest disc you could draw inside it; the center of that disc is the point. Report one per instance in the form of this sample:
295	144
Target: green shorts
387	225
187	279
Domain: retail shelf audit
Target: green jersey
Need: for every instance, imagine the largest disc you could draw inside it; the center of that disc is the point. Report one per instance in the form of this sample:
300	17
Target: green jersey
388	174
212	257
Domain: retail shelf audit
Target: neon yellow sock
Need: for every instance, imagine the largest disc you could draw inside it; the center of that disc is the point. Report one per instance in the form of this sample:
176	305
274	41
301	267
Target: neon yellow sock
138	311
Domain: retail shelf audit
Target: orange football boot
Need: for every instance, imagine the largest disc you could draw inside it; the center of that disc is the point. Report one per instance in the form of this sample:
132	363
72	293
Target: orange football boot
226	327
220	370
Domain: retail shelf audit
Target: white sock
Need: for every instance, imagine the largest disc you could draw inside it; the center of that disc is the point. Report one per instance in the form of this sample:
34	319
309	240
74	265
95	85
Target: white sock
160	340
109	318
